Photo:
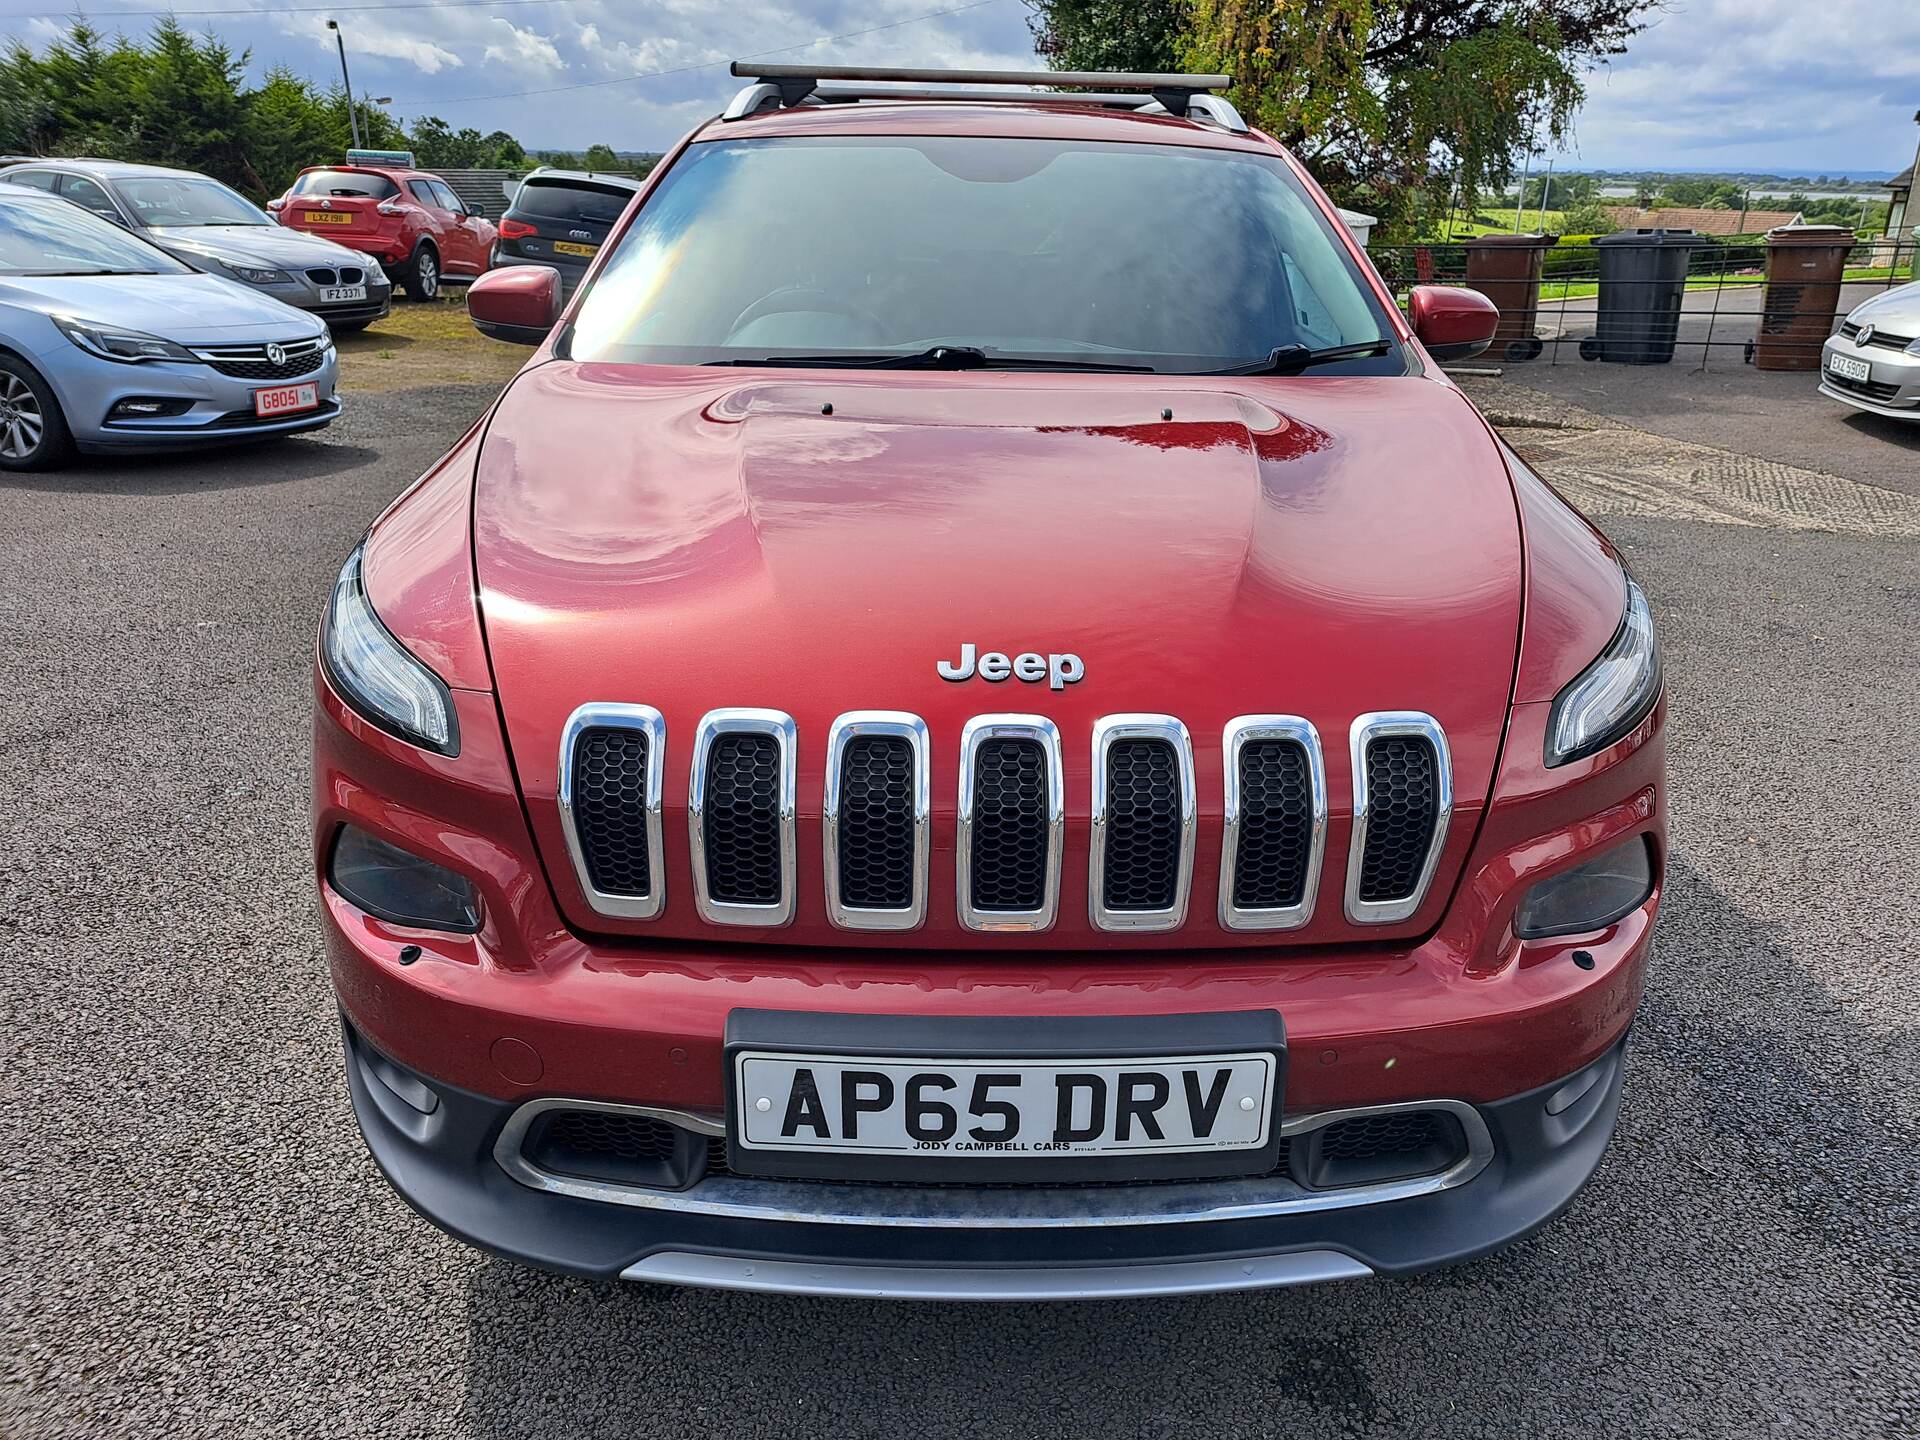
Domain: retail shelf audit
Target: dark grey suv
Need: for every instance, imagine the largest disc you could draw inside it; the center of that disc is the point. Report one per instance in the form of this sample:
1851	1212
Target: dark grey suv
560	218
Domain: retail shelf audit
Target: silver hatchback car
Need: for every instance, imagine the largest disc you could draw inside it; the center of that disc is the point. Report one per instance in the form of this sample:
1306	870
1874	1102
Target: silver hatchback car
109	344
195	218
1873	363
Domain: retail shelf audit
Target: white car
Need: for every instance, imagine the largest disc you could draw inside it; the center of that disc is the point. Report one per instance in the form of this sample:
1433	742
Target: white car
1873	362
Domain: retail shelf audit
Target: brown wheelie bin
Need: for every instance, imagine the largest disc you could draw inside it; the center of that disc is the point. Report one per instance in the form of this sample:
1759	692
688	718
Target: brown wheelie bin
1506	269
1805	265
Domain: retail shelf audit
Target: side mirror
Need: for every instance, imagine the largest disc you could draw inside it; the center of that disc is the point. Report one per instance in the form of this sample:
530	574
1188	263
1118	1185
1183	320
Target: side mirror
519	304
1453	324
276	205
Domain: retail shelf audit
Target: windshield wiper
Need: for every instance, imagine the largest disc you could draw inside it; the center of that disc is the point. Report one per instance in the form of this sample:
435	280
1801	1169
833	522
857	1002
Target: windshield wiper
1292	359
938	357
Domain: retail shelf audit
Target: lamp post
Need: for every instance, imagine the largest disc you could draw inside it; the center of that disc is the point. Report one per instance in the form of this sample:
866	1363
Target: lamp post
353	116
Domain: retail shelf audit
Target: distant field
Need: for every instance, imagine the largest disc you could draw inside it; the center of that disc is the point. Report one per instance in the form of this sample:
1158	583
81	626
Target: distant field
1586	289
1503	223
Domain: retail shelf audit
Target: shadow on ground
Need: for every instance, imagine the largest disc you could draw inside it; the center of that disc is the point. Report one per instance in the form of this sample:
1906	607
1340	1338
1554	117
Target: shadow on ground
226	467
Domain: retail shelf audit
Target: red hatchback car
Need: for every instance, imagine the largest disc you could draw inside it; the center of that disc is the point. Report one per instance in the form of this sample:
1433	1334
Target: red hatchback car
982	721
422	233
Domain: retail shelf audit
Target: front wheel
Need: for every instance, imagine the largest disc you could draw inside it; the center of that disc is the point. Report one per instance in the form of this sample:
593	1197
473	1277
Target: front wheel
422	280
33	432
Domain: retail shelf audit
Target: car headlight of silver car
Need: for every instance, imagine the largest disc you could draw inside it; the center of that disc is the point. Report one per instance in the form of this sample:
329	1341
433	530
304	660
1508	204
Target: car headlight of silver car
254	275
114	342
1614	693
377	677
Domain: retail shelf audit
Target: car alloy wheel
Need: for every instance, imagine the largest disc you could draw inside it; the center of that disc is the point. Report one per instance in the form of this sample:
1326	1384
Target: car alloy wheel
23	427
426	272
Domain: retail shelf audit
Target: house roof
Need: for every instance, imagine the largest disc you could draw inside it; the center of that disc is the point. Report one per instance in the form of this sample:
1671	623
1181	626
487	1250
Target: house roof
1707	222
1902	181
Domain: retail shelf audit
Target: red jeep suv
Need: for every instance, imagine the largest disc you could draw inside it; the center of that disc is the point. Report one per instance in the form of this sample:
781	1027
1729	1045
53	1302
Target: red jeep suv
420	231
982	721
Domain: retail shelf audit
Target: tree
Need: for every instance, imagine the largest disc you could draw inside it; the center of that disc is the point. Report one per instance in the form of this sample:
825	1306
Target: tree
600	157
1108	34
1396	103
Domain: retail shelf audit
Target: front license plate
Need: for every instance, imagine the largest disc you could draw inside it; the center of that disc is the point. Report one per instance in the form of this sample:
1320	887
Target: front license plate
997	1109
567	247
1848	368
286	399
327	217
336	294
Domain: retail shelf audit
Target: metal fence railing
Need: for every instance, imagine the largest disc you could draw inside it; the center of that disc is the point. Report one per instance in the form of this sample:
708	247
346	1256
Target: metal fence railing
1716	300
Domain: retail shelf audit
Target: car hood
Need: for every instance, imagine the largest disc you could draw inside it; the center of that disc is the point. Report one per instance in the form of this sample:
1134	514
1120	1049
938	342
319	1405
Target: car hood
1898	310
266	245
692	539
195	309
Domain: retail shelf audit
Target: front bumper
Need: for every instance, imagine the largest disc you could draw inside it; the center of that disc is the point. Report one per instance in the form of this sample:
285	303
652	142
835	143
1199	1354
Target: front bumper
219	409
1533	1153
1891	389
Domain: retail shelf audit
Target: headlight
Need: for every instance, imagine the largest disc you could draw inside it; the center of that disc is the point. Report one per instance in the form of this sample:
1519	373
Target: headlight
377	677
1591	896
257	277
374	272
111	342
1614	693
390	883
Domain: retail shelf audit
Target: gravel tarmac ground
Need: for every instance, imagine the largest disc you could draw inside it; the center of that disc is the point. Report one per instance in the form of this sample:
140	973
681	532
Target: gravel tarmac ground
194	1242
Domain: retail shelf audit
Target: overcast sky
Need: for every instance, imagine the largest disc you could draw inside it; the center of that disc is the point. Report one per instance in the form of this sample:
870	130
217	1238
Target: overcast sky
1780	84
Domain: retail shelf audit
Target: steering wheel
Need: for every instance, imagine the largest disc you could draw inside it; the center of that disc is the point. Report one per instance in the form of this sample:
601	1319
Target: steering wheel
789	299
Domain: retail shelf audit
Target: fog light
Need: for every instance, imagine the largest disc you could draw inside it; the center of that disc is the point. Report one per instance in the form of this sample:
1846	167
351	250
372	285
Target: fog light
1590	896
387	882
148	407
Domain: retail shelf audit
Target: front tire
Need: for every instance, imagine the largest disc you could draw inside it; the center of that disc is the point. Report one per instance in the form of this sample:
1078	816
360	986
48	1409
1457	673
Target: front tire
33	432
422	280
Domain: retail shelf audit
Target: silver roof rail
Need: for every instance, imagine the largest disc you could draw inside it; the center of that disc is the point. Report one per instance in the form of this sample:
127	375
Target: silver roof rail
783	86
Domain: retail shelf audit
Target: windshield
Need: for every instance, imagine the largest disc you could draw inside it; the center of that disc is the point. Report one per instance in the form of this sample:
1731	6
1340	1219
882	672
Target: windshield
179	200
345	182
1150	256
571	200
38	237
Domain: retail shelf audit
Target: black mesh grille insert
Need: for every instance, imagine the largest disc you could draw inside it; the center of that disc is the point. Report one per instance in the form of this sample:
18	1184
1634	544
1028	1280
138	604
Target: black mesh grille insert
1369	1149
742	822
1402	795
610	808
1009	865
627	1137
1143	826
876	823
1276	825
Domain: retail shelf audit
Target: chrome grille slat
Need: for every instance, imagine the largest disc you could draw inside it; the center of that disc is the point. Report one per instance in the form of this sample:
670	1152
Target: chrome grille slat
875	828
1246	815
984	831
1384	890
1140	861
633	902
740	826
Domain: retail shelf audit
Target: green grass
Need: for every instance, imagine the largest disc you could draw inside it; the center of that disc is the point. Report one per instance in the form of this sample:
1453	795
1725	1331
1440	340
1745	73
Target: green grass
1587	289
1503	223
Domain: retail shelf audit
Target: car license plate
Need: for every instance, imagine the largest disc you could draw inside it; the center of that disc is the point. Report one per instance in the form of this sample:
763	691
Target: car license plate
567	247
286	399
334	294
1003	1109
327	217
1848	368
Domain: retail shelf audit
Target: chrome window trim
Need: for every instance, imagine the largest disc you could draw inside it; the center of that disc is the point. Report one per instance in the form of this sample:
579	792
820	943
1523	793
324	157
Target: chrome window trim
1366	729
1107	730
959	1207
608	716
1240	732
896	724
976	732
743	721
